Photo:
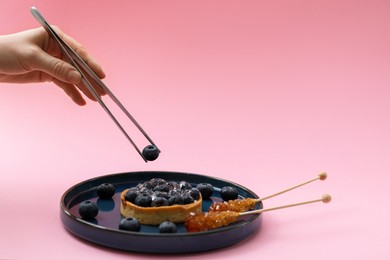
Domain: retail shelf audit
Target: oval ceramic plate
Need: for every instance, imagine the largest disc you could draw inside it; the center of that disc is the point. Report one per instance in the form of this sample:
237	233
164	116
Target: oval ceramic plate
103	230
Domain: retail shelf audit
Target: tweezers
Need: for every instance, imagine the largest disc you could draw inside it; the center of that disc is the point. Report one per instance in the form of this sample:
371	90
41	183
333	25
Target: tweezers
78	62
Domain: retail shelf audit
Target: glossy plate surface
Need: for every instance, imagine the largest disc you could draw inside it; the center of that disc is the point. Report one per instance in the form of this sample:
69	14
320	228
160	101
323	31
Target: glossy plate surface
103	230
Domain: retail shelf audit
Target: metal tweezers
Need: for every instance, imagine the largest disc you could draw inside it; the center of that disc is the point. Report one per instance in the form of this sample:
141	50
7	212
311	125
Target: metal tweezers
78	62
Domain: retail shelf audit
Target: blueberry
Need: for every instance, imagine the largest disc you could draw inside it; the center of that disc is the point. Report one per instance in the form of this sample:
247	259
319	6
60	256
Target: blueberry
150	152
229	193
159	201
194	193
148	185
88	209
173	185
105	191
143	200
185	185
187	199
161	194
176	200
130	224
131	194
161	187
146	192
167	227
157	181
173	193
206	189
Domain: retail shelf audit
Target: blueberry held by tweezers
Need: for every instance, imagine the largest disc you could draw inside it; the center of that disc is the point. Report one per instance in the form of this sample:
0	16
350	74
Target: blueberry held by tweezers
88	209
150	152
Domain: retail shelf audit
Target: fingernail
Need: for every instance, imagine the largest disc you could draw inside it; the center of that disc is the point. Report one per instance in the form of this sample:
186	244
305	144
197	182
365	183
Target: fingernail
74	77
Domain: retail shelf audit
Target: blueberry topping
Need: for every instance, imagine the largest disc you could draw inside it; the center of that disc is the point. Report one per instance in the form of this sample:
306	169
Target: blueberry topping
131	194
88	209
158	192
206	189
161	187
129	224
176	200
167	227
146	192
159	201
194	193
185	185
158	181
148	185
161	194
173	193
150	152
173	185
105	191
229	193
187	199
143	200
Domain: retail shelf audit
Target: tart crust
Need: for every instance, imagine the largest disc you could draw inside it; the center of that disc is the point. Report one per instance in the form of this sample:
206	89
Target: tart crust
157	215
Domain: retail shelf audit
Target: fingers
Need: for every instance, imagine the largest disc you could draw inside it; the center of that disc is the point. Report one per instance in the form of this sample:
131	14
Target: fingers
85	89
50	61
66	77
71	91
55	67
89	60
79	49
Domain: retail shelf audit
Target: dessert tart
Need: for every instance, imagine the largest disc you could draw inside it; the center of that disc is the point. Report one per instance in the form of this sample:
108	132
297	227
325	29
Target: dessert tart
158	200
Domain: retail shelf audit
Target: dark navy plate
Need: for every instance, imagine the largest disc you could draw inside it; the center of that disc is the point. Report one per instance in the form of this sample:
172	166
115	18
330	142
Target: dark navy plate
103	230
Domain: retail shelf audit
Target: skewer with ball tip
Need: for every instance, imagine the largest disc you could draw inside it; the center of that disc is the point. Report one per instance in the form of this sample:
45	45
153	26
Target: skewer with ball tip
198	222
227	212
241	205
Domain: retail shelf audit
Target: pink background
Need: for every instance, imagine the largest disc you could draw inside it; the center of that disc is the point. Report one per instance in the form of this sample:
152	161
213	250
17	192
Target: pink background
263	93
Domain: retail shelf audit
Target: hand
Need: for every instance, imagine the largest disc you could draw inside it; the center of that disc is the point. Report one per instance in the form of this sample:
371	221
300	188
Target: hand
33	56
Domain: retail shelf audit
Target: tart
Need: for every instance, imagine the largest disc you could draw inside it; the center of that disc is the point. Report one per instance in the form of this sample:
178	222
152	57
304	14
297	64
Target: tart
158	200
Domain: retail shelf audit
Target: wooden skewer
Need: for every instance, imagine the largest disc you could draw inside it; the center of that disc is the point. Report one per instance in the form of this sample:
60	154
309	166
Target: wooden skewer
322	176
203	221
326	198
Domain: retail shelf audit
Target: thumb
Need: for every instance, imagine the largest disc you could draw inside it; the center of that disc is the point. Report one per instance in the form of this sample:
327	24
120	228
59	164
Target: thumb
57	68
